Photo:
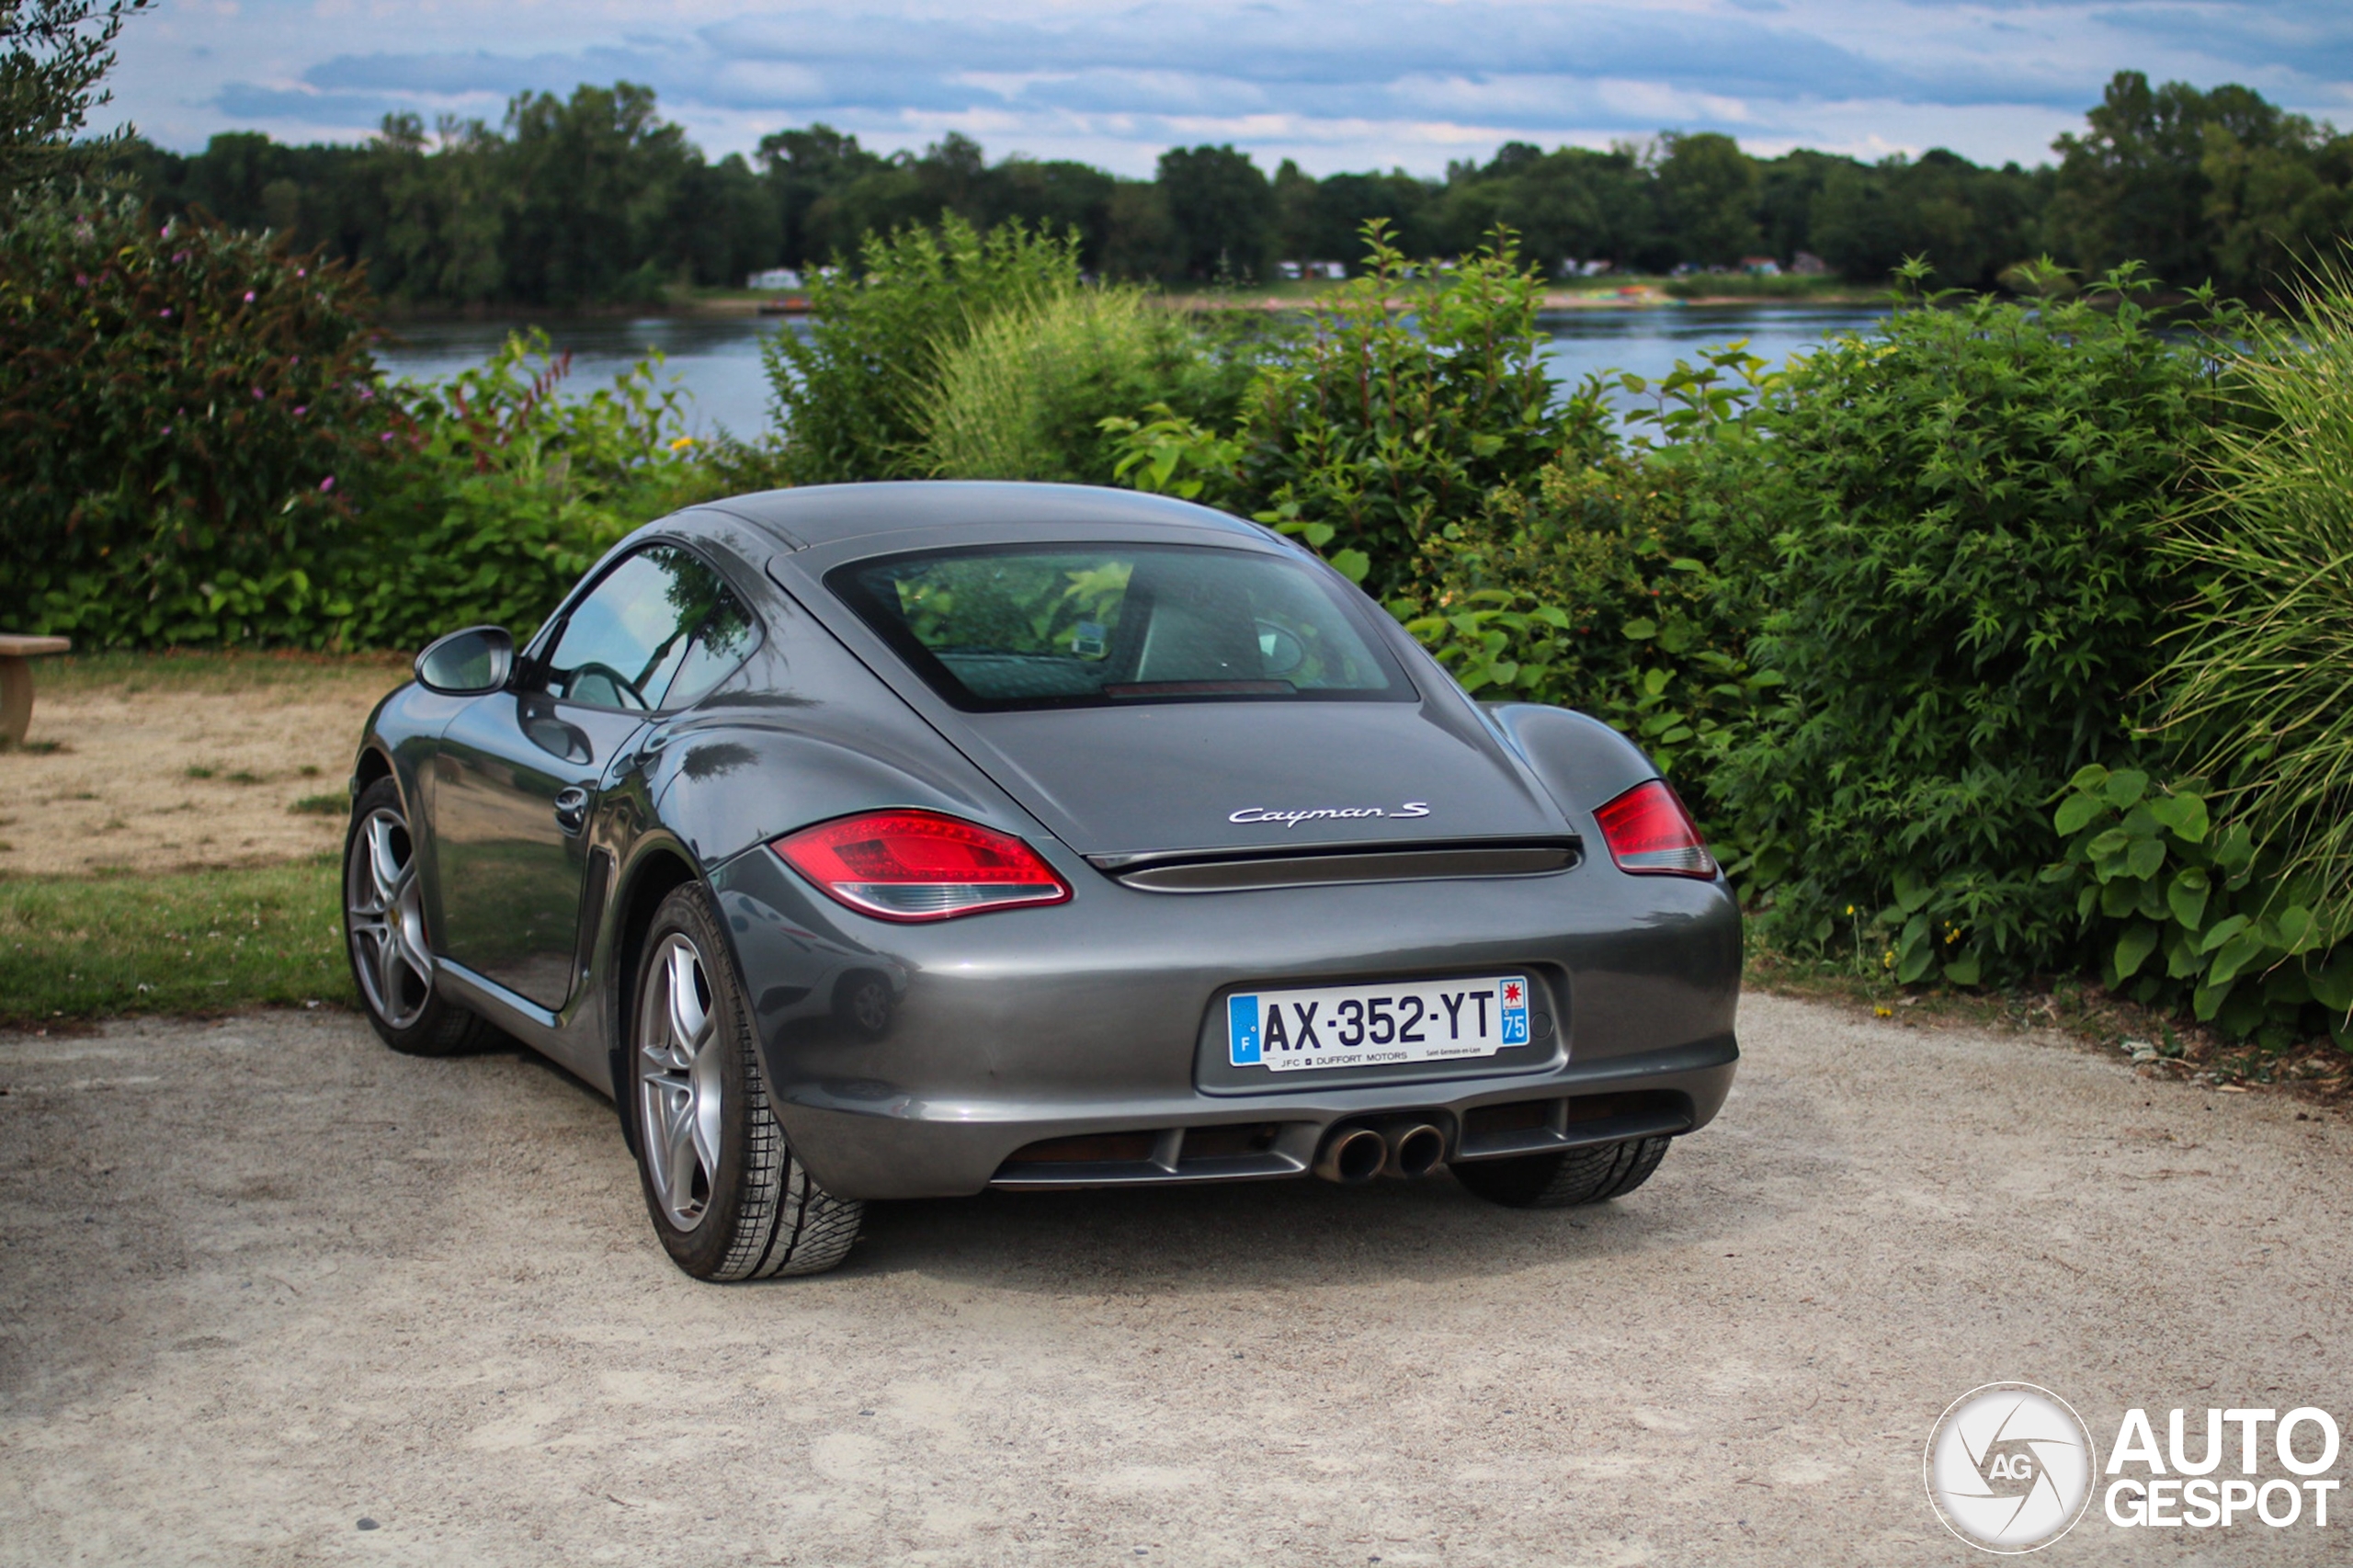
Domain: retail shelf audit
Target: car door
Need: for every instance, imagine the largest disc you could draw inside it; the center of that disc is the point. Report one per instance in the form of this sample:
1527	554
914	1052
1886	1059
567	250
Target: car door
520	772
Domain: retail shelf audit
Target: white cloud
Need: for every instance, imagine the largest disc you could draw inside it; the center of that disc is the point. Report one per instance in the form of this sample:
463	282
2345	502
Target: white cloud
1374	84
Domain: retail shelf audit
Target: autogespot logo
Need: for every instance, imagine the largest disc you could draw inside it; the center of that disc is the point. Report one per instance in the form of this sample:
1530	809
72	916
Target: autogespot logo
2009	1467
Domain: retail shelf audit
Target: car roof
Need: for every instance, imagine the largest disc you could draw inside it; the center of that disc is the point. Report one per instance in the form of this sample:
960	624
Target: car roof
831	514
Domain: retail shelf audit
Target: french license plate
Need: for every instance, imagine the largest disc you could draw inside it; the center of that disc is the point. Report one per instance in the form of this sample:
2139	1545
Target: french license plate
1367	1026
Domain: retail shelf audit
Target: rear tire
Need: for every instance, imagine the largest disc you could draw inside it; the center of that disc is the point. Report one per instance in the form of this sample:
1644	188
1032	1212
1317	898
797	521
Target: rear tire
1566	1179
384	933
727	1194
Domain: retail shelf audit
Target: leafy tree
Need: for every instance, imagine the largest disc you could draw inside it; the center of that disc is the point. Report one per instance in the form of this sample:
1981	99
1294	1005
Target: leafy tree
595	197
803	168
1222	209
1573	203
2218	186
2129	185
53	56
1055	195
1296	234
1707	198
1787	187
1325	218
1141	239
1971	223
600	179
734	228
2273	210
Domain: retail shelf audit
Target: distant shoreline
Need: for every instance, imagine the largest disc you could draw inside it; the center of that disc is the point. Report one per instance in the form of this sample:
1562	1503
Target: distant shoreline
1648	294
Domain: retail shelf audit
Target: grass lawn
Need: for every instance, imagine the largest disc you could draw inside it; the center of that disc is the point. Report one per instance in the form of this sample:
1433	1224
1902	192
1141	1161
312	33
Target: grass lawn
77	948
159	937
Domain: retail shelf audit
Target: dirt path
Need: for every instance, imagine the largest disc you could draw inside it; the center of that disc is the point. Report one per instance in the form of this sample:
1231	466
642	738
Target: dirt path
261	1278
171	765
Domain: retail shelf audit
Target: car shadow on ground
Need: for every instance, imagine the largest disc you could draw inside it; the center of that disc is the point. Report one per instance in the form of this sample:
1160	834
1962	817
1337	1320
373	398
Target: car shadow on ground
1304	1231
1712	1188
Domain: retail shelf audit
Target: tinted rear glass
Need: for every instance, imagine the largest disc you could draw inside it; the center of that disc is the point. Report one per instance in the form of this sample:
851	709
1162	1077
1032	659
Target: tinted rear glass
1063	626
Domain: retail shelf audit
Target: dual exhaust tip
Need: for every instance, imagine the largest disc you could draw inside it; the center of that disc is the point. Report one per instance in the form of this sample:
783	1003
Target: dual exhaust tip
1402	1146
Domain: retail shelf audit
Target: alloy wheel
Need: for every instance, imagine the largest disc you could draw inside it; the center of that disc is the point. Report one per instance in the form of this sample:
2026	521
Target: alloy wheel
680	1078
384	913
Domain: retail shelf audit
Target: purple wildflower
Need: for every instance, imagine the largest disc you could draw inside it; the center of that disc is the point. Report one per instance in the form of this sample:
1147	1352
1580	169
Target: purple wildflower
249	296
326	484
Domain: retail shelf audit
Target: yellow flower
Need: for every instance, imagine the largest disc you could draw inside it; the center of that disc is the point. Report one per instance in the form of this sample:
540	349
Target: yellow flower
682	443
1850	909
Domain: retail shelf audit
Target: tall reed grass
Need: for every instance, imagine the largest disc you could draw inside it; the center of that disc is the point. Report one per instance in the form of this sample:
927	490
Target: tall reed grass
1020	396
2261	686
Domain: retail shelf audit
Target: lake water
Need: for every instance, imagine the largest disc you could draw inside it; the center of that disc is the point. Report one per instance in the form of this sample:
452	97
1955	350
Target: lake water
716	360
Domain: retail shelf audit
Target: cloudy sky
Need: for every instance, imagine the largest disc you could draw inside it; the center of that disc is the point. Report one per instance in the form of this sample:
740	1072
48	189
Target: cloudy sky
1337	85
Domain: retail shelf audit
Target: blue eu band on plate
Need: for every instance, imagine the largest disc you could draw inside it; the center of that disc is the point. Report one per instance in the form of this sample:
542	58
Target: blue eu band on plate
1363	1025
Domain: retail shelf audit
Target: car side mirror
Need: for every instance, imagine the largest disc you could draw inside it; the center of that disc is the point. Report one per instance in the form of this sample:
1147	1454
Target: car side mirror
467	663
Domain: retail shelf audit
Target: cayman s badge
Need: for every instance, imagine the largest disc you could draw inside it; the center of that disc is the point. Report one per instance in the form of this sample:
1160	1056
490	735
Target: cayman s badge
1327	813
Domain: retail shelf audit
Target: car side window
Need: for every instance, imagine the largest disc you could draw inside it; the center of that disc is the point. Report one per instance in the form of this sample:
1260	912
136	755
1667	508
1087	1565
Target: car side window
726	637
624	644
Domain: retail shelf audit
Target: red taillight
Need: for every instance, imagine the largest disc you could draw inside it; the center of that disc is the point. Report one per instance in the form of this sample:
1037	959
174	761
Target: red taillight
1650	834
920	865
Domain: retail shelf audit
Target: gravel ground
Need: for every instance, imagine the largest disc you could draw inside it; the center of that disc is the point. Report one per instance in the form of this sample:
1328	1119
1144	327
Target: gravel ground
263	1280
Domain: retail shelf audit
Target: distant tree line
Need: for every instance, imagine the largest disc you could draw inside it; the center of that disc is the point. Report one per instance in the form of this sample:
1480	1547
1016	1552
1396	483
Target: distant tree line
596	198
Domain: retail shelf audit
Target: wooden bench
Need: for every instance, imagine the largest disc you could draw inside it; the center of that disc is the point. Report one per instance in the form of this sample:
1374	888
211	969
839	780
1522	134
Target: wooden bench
16	655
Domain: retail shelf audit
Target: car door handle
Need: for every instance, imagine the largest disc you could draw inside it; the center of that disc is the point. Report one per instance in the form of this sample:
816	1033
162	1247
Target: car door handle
572	808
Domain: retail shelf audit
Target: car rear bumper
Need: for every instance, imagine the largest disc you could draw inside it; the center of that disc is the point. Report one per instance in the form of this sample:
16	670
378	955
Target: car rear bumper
918	1150
930	1061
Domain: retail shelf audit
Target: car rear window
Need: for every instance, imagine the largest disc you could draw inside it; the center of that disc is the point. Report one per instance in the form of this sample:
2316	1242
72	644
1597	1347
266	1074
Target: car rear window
1068	626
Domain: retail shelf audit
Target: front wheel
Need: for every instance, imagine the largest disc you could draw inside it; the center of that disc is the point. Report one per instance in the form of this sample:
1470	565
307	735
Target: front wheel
728	1197
383	925
1563	1179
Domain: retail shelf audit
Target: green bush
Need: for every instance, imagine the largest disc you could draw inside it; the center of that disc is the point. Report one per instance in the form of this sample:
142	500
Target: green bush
2260	684
501	494
1024	394
848	396
185	413
200	451
2184	913
1965	588
1600	591
1380	427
